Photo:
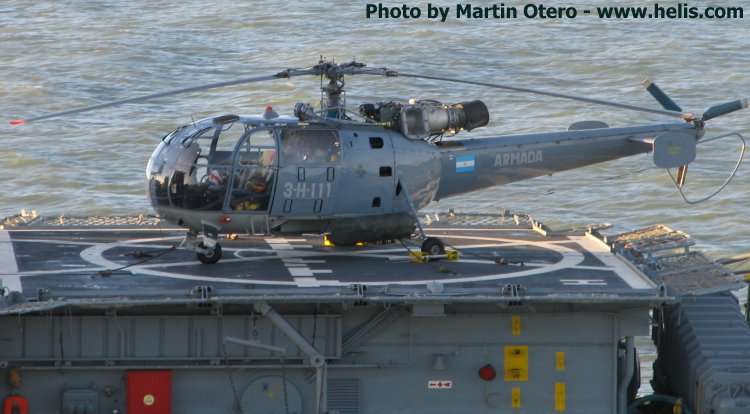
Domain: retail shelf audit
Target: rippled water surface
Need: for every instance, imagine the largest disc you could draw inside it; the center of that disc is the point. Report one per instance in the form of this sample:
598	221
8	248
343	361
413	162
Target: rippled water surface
61	55
65	54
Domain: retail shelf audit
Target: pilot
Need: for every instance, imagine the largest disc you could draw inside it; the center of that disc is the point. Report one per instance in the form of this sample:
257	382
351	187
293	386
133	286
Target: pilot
256	184
256	193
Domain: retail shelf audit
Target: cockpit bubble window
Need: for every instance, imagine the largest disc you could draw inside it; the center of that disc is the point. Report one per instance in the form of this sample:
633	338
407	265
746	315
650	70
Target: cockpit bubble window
310	146
229	136
194	133
188	177
168	138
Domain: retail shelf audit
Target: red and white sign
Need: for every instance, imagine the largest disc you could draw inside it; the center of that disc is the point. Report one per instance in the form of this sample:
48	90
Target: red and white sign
439	384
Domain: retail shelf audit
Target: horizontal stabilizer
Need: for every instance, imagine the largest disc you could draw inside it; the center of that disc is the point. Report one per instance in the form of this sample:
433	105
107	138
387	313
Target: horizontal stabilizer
577	126
674	149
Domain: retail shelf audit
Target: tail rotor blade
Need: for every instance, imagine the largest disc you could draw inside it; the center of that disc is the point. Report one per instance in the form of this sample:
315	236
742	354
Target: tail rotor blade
660	96
725	108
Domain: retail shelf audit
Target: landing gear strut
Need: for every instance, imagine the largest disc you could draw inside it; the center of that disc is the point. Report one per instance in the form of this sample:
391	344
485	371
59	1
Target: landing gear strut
208	250
431	246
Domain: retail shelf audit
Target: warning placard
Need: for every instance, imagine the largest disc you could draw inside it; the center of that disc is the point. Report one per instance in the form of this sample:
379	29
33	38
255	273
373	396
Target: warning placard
439	384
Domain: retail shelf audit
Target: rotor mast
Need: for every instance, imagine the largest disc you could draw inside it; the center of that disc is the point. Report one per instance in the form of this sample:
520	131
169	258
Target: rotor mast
330	99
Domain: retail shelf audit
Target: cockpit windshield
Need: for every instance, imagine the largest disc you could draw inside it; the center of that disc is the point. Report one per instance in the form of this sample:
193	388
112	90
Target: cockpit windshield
196	164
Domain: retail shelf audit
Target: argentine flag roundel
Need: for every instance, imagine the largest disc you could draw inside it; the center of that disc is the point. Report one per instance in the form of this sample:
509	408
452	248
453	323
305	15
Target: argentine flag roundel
465	163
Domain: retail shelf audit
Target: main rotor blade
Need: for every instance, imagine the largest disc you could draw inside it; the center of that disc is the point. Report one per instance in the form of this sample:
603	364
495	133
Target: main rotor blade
328	69
675	114
725	108
660	96
154	96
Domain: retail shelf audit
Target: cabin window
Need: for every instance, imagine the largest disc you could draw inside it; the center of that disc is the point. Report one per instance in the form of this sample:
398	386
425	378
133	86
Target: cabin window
310	146
228	137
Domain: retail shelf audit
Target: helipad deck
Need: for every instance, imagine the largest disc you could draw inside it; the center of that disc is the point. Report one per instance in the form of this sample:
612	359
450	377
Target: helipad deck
127	261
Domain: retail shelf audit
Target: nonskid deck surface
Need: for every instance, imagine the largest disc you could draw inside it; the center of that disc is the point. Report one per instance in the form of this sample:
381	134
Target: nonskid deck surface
79	261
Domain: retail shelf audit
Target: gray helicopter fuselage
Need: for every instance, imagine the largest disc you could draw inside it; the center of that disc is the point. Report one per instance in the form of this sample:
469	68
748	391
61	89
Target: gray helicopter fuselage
355	182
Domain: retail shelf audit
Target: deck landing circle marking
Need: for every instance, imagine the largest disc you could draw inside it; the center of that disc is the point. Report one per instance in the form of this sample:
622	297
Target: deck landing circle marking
570	258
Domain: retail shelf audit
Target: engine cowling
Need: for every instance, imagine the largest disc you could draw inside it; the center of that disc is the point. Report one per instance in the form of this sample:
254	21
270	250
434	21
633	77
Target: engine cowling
423	119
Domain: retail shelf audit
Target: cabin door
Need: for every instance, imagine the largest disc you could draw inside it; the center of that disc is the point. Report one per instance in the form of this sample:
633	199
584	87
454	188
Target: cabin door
308	173
254	168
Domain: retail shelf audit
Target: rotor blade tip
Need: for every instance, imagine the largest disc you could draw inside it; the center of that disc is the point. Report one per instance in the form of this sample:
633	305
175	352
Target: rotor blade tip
17	122
647	82
743	103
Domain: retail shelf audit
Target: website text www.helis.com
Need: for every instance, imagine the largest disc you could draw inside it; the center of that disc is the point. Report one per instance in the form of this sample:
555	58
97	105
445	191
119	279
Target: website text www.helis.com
497	11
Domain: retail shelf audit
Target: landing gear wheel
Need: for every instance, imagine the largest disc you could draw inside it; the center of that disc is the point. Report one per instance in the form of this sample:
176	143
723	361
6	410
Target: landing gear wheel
211	256
433	246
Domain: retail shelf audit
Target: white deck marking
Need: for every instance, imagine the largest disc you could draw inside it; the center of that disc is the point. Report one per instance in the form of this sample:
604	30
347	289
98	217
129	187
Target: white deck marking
302	274
583	282
8	265
297	261
601	251
302	277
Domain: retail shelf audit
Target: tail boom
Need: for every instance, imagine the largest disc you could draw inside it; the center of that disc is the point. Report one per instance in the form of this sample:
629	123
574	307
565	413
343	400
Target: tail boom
476	164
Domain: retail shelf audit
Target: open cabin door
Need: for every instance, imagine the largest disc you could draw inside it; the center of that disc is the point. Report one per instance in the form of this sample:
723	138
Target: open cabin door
254	168
308	169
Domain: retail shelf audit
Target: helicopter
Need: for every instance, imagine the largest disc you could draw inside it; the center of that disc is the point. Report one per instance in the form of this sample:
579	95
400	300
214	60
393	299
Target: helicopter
363	176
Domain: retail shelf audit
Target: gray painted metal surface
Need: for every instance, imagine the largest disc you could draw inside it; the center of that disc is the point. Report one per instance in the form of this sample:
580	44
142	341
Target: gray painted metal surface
704	354
105	316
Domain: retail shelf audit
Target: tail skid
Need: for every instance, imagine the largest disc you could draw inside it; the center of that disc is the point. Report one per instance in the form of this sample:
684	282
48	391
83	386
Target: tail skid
679	181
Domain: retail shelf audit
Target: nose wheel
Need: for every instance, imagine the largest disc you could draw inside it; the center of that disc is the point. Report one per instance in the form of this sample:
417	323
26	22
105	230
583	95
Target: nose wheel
208	251
208	255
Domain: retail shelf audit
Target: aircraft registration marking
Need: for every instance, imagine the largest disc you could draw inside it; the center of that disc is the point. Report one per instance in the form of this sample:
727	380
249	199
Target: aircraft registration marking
307	190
